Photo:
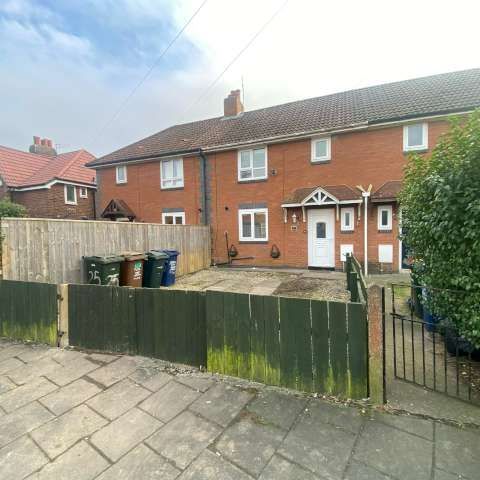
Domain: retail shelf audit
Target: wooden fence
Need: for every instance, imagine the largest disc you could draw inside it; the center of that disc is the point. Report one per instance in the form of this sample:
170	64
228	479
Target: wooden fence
50	251
28	311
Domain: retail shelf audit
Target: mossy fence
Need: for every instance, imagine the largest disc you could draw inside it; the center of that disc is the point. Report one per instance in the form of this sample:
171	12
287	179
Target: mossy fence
309	345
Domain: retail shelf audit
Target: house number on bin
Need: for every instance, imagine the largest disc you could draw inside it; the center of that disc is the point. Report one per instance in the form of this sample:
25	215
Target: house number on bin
137	271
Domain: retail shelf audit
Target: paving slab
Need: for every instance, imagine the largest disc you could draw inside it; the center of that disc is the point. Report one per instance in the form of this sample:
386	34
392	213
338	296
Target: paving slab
221	403
441	475
184	438
125	433
358	471
281	469
81	462
63	375
21	421
142	464
169	401
12	350
458	451
61	433
20	396
198	383
277	408
118	399
6	384
70	396
209	466
20	458
339	415
65	356
319	447
150	378
10	364
115	371
386	449
103	357
35	352
250	445
417	426
31	371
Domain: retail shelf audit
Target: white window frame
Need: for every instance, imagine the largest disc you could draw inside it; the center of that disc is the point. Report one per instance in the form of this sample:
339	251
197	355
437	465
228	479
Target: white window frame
65	189
252	212
328	155
239	169
83	192
173	214
176	179
117	178
381	209
424	146
351	227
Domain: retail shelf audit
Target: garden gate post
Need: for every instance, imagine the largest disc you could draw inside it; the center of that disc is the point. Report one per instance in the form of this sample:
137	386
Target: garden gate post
376	340
62	296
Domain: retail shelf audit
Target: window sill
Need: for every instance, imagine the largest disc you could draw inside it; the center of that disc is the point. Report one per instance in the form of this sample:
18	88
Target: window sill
415	150
320	162
166	189
347	231
120	183
249	242
255	180
389	230
71	204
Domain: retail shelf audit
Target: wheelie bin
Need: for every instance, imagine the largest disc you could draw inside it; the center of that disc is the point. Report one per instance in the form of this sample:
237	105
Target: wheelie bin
154	268
170	268
131	270
103	269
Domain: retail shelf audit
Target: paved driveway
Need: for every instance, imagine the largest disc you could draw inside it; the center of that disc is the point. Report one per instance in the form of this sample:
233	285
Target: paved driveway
67	414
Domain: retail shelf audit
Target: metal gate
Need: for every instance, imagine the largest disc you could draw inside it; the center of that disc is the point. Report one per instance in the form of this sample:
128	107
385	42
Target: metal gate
428	353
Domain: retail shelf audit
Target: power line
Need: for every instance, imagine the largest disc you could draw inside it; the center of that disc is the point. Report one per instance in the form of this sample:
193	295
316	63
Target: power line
235	58
147	74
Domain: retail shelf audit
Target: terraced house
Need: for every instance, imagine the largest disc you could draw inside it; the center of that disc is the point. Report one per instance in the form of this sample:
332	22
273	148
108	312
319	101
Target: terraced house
299	184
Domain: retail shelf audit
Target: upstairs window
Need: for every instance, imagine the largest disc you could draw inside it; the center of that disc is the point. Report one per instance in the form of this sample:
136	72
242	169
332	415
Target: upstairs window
171	173
321	149
121	174
415	137
385	217
70	195
253	225
252	164
347	219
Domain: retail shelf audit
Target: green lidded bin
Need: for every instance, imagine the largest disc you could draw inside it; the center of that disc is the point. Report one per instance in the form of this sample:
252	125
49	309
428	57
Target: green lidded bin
154	268
103	269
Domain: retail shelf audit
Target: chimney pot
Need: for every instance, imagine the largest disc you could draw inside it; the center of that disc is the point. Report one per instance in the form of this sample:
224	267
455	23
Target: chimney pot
232	105
42	146
49	143
36	140
43	142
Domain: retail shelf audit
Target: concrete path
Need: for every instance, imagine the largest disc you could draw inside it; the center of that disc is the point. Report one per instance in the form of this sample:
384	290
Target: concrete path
67	414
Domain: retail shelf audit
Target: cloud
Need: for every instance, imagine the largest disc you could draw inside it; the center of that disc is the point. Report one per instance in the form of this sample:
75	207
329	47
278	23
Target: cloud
65	67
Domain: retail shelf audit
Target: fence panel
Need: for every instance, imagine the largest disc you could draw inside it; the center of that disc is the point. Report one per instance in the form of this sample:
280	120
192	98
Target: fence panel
28	311
51	251
102	318
309	345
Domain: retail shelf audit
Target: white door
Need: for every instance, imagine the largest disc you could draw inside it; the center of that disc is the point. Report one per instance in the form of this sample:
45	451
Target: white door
321	238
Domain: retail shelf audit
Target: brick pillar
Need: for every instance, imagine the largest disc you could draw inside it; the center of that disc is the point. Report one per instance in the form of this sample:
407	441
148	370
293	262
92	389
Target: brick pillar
376	340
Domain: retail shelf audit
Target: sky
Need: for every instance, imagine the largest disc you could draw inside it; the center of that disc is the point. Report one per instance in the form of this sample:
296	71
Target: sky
67	66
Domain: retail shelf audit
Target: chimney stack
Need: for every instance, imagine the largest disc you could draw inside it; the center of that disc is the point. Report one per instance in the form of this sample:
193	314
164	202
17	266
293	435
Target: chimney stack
42	146
232	105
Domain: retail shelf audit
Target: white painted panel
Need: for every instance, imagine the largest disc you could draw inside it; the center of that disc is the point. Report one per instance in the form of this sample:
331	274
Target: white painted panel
344	249
385	253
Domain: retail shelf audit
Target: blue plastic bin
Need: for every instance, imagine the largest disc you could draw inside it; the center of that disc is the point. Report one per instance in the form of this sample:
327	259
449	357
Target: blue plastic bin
170	268
430	320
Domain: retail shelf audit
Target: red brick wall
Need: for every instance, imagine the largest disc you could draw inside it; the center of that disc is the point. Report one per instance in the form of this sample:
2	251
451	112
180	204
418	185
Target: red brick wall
50	203
143	194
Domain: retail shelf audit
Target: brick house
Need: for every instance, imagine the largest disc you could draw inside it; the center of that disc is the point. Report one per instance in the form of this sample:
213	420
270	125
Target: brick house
298	184
48	184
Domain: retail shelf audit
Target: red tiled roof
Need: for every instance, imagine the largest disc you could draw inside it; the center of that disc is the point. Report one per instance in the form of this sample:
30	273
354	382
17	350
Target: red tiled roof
388	191
24	169
341	192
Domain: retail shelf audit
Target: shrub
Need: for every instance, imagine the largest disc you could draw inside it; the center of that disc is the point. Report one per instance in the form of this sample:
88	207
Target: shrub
440	203
10	209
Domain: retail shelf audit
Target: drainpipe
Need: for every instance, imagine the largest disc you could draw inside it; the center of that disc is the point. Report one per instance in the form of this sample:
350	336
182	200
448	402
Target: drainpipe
204	187
365	195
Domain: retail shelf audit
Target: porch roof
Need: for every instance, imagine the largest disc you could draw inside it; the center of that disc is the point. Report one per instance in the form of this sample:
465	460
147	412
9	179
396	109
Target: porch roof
388	192
118	208
322	195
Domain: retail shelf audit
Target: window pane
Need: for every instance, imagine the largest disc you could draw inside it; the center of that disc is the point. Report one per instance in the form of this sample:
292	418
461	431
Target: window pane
259	158
121	174
245	159
246	225
179	220
259	172
245	174
346	220
260	225
167	169
321	230
415	135
320	148
70	193
168	220
385	219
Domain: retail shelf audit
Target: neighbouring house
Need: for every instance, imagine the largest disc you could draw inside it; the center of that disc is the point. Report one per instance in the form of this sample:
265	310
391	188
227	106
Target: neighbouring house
299	184
48	184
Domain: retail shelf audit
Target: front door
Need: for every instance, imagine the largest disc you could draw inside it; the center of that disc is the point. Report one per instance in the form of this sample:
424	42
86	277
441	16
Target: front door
321	238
